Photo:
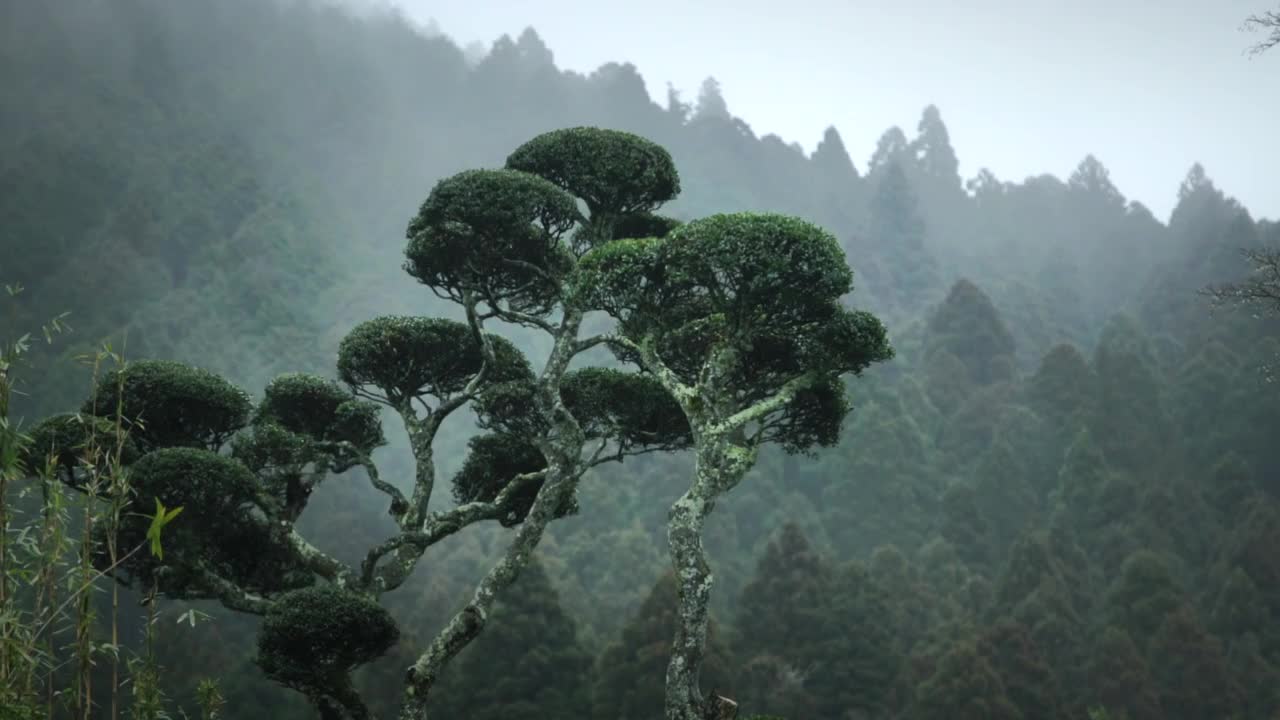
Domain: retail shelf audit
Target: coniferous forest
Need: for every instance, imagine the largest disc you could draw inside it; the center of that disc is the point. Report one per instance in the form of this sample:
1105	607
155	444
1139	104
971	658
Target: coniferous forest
1026	469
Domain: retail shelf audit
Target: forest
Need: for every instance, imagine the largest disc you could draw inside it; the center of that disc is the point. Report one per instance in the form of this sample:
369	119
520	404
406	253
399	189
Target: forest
1033	475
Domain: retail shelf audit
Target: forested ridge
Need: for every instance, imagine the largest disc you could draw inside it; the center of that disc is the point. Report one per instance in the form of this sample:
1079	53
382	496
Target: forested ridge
1062	495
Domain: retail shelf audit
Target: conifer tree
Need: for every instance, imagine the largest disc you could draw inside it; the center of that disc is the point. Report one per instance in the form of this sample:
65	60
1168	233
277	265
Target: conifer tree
529	665
629	676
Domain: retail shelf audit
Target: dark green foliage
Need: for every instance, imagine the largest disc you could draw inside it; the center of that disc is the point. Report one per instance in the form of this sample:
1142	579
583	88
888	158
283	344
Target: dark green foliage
644	225
497	232
169	404
1238	609
1129	420
493	462
765	285
628	406
1144	595
69	438
964	687
321	410
969	327
218	530
410	357
1062	387
1119	678
857	664
313	638
1190	668
783	608
528	665
615	173
629	677
1028	678
965	526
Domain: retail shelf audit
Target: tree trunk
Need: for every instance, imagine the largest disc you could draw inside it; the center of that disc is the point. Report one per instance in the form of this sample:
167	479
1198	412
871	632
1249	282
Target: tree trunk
720	464
563	450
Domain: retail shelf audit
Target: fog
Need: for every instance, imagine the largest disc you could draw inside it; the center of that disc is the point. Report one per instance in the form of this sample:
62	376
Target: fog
1026	87
1059	499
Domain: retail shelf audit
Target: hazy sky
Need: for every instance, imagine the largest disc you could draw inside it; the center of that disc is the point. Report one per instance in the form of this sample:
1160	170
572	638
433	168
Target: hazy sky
1024	86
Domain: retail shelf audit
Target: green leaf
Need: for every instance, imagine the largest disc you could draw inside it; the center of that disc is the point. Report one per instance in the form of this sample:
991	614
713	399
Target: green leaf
161	518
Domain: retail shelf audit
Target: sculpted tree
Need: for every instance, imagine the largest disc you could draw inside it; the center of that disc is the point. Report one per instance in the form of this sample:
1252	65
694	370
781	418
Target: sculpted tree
501	243
739	318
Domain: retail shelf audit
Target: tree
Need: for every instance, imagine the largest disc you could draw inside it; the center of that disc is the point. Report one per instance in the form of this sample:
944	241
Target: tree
965	686
1261	289
1119	677
780	627
629	679
501	243
933	151
530	665
968	326
1268	22
738	316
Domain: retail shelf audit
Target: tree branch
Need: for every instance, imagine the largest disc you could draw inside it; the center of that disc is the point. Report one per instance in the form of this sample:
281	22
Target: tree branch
651	362
1268	22
761	409
410	544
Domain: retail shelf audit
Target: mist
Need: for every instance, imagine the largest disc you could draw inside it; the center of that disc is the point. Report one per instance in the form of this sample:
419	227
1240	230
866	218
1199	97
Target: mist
1060	497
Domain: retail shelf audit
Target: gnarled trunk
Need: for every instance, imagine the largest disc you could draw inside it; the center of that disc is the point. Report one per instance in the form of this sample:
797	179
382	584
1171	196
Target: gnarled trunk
563	448
718	469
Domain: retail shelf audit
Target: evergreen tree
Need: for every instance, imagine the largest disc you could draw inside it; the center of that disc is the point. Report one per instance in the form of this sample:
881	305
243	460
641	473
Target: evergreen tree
933	152
968	326
529	665
905	275
1144	595
629	677
1190	670
1062	387
964	687
857	666
1028	678
832	162
891	148
1119	679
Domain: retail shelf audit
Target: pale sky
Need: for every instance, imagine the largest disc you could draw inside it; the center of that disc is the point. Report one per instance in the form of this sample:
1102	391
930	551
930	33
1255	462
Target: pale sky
1025	86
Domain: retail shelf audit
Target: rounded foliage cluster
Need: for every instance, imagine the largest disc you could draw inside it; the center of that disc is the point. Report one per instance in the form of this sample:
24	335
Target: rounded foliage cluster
632	408
644	225
407	357
216	529
277	456
496	232
614	172
314	636
492	462
169	404
320	409
72	440
630	226
756	295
